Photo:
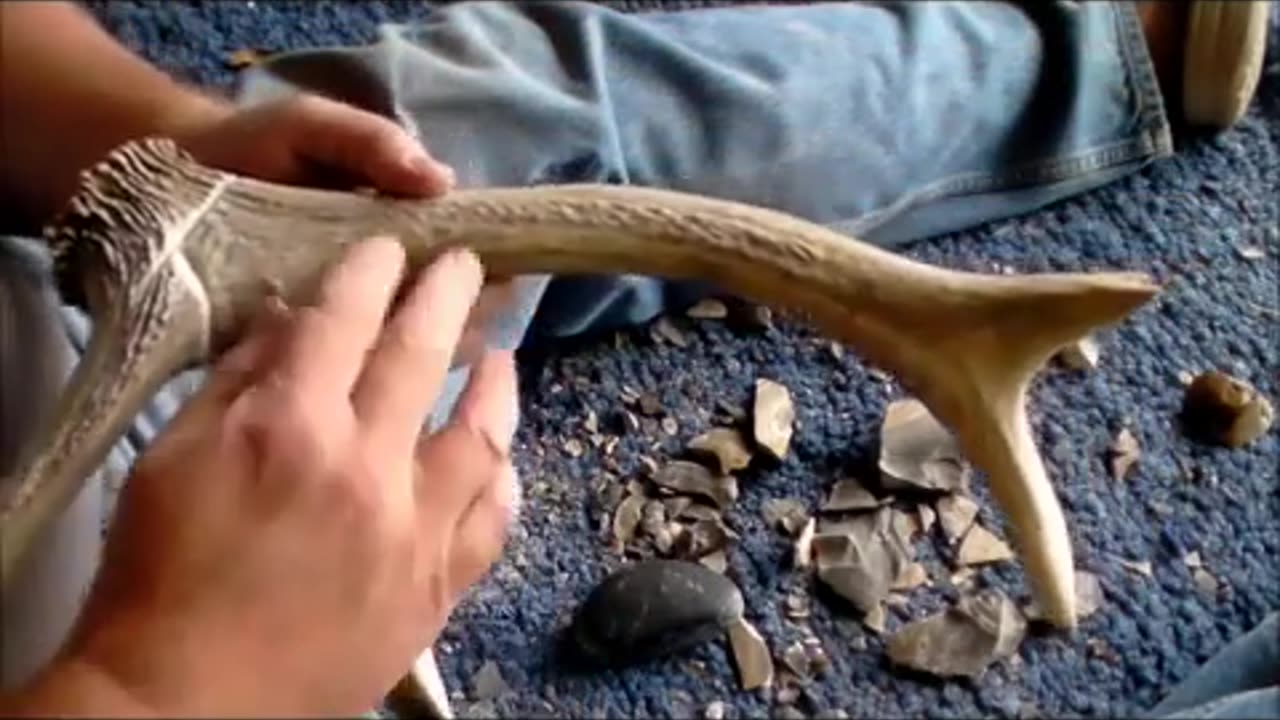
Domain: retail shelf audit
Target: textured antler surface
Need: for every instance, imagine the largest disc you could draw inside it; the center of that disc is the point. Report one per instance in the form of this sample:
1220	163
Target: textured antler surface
171	258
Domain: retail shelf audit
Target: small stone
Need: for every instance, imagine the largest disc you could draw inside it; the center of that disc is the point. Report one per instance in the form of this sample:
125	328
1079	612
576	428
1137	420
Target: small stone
684	476
980	546
928	516
916	451
653	517
488	683
698	511
956	514
962	641
675	506
896	600
715	560
860	560
773	417
663	329
1124	452
751	315
787	514
963	577
627	518
592	422
876	619
726	445
1142	567
804	544
750	654
668	537
905	525
573	447
1080	355
1251	252
1220	409
702	538
653	608
911	577
669	425
849	494
714	711
708	309
797	607
1192	559
790	712
796	659
650	405
628	395
1206	583
1099	648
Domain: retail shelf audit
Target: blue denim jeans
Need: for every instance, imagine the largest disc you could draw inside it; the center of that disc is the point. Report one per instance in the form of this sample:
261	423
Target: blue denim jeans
892	122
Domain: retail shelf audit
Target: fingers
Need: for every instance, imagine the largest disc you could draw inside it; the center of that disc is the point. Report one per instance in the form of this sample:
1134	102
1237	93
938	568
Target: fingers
406	370
468	488
371	145
324	350
240	366
483	530
467	498
488	405
496	299
457	464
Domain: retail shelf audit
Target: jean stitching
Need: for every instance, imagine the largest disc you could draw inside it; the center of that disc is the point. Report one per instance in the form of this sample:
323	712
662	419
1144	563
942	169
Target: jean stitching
1049	171
1140	70
1152	139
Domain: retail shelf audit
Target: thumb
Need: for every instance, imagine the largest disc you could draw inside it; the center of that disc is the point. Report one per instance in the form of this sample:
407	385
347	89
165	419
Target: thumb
366	145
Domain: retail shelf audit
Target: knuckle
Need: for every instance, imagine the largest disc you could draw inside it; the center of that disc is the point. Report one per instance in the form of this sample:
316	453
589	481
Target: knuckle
288	426
404	339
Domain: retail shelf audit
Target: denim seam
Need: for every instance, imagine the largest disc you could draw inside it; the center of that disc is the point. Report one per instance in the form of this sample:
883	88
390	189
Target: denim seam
1140	71
1055	170
1152	140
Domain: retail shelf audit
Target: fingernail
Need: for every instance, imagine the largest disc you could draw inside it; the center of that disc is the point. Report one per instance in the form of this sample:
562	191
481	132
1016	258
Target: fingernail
423	165
449	175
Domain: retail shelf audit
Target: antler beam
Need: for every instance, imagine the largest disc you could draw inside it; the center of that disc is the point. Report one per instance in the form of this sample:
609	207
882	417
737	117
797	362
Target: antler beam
171	258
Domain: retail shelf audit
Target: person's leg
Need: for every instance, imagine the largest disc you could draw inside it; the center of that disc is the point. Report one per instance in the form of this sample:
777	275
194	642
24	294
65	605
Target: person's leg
891	121
39	605
1241	681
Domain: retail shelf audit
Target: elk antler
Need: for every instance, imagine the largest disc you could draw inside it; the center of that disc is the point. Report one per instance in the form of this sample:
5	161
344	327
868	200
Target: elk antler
171	258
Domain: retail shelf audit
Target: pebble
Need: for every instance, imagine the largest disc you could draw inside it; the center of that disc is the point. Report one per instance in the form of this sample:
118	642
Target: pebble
654	608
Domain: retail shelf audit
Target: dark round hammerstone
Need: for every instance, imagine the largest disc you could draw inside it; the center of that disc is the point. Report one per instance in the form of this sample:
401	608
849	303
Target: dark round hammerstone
653	608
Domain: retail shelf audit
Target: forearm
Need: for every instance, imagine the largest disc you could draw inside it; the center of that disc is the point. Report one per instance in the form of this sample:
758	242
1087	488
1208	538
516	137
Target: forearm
69	93
70	688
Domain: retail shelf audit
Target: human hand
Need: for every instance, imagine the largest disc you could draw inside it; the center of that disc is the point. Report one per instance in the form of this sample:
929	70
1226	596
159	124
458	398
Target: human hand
290	544
314	141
